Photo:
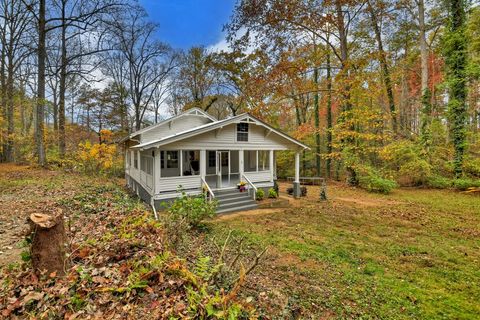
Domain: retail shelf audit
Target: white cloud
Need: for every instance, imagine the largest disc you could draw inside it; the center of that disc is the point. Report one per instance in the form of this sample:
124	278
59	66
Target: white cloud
221	45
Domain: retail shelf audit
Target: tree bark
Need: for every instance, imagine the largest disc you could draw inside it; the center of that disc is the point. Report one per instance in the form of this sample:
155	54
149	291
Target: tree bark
40	105
48	240
329	116
385	68
317	123
62	89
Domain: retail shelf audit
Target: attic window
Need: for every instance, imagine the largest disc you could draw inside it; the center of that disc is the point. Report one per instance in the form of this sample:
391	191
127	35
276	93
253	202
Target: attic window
242	131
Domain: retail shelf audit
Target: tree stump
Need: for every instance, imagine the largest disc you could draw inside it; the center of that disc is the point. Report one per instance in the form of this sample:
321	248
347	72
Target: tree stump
48	242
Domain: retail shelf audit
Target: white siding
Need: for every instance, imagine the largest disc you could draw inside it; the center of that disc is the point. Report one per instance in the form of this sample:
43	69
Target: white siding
224	139
173	183
184	123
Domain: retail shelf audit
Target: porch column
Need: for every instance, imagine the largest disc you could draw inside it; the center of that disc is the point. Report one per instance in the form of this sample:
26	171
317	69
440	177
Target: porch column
271	165
296	184
240	163
156	171
203	163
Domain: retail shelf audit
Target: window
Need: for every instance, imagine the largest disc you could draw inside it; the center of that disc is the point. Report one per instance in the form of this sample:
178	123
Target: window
242	131
146	164
250	160
169	164
172	159
263	160
191	162
135	159
212	158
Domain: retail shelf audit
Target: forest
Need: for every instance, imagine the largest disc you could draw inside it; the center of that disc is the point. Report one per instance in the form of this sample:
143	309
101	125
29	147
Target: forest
386	93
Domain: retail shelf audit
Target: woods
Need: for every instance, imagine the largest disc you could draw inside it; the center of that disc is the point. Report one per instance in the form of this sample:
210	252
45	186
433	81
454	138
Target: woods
355	80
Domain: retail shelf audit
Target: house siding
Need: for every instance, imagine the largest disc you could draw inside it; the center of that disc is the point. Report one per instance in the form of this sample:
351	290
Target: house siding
184	123
224	139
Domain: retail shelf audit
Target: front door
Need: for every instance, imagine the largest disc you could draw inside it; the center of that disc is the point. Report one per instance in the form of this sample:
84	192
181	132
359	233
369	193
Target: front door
223	169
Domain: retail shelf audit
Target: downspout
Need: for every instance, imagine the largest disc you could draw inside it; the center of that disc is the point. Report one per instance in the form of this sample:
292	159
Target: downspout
155	214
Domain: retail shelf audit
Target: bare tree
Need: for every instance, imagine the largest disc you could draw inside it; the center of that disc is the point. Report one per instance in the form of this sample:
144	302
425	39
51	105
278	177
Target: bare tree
144	62
15	25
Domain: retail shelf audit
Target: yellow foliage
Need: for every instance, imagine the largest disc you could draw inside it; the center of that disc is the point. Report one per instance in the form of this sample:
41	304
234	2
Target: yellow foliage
96	157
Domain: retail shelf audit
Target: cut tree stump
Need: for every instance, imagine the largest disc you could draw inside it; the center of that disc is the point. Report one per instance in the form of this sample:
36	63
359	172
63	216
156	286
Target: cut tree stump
48	242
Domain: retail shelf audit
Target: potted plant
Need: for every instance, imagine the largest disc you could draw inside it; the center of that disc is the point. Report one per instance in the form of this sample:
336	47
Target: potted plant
242	186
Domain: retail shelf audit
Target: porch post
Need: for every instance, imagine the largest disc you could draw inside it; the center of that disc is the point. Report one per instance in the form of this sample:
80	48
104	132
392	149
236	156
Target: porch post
296	184
156	171
271	165
180	161
240	163
203	163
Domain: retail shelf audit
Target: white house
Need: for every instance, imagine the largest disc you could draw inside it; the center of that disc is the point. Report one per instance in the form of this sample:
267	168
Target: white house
193	151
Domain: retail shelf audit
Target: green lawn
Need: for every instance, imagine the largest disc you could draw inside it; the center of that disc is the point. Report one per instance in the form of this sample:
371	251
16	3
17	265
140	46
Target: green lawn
412	254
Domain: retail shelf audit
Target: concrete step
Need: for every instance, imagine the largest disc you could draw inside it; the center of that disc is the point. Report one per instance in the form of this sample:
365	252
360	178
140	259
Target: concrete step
237	195
234	199
234	204
235	209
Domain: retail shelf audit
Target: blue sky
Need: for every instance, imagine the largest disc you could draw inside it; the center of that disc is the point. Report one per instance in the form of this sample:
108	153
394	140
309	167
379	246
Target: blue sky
186	23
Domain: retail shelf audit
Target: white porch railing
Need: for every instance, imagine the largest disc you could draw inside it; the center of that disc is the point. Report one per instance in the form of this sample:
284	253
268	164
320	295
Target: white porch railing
209	195
169	184
244	177
259	176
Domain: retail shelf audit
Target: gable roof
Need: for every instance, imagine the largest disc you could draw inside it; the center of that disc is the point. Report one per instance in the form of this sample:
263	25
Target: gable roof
192	111
212	126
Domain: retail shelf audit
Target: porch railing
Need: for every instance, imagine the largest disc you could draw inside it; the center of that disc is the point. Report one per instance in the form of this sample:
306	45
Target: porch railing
244	177
209	195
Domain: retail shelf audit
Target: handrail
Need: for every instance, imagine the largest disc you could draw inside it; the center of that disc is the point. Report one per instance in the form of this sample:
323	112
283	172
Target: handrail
209	190
253	187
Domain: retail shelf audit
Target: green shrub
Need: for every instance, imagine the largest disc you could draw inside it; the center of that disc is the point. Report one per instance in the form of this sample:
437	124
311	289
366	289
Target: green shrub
192	210
374	183
464	184
260	194
272	193
472	167
439	182
415	172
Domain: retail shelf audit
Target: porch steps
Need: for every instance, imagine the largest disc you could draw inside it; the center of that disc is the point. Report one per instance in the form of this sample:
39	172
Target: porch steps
232	200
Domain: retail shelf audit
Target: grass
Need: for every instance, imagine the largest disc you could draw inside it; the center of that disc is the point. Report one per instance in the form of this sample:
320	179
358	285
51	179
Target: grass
411	254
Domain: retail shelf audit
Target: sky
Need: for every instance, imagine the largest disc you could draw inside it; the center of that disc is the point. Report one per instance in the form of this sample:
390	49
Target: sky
187	23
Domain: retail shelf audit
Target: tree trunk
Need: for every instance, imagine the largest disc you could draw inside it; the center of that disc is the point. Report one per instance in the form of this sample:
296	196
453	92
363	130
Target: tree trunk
456	62
3	87
40	106
10	103
385	69
317	123
426	111
329	116
62	89
346	103
48	240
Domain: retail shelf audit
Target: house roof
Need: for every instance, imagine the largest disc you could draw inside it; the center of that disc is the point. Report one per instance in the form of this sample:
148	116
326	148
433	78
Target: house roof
192	111
212	126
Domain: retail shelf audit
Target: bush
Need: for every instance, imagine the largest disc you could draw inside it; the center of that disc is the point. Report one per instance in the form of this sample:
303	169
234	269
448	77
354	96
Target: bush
472	167
192	210
260	194
439	182
374	183
272	193
464	184
415	172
